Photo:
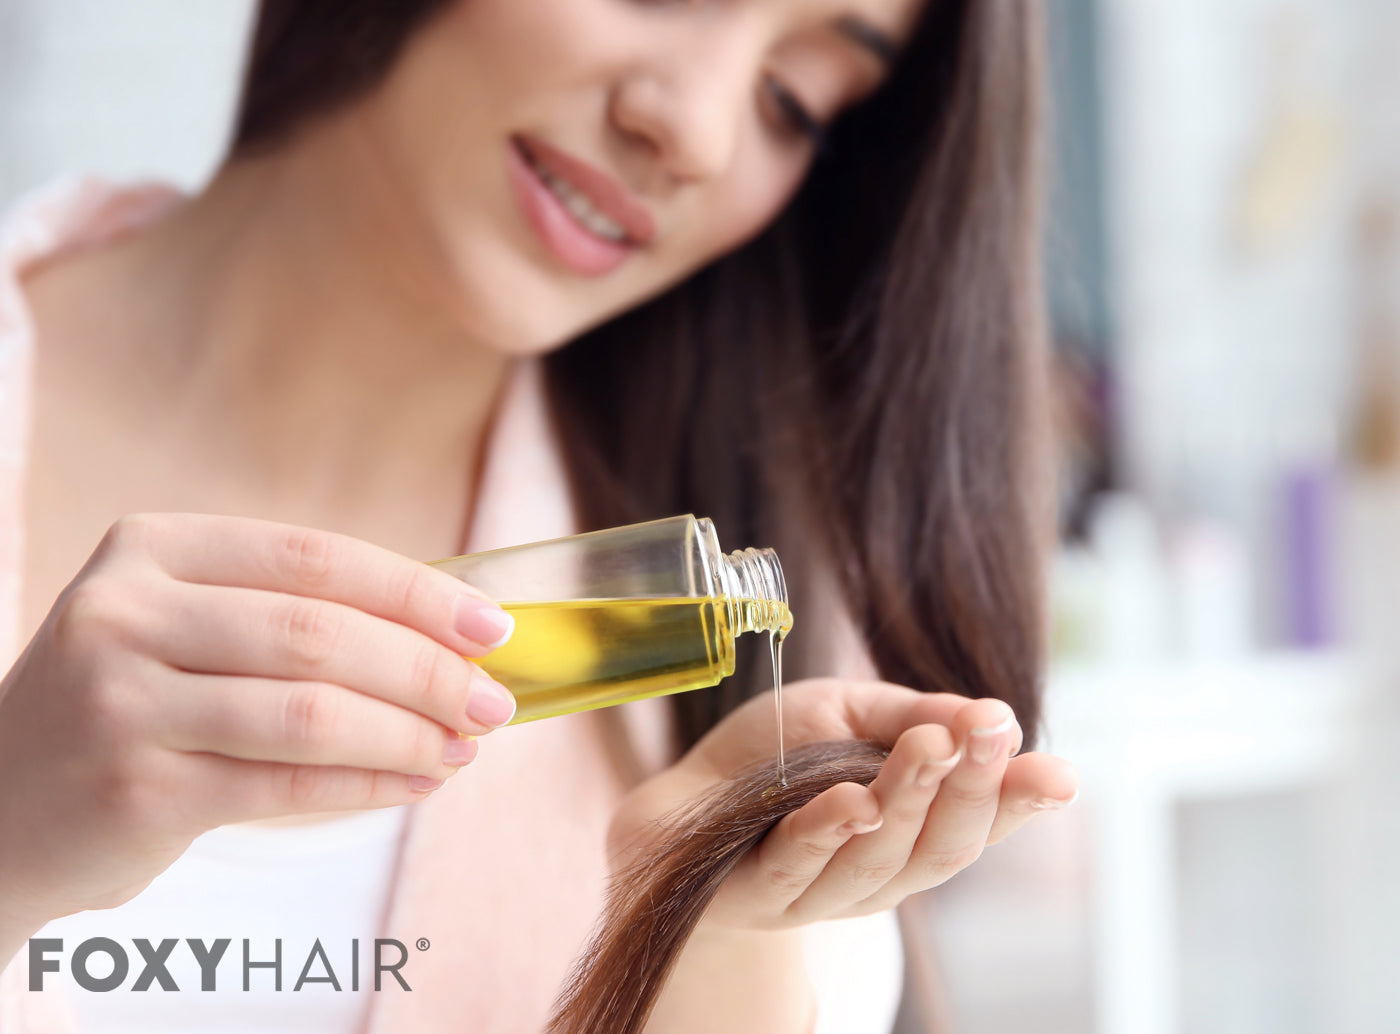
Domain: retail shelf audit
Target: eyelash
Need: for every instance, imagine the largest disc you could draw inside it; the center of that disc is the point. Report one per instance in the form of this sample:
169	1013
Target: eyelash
797	118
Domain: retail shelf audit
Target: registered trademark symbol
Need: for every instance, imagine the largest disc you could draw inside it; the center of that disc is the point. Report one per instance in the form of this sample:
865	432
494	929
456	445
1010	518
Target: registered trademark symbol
422	944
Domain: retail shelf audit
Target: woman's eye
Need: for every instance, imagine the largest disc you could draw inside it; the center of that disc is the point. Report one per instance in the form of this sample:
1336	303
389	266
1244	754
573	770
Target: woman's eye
796	118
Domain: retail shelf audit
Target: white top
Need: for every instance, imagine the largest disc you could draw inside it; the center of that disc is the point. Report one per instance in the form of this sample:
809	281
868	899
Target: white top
326	880
857	971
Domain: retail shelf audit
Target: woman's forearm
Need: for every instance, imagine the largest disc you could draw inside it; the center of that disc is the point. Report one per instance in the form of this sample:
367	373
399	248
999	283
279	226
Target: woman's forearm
736	982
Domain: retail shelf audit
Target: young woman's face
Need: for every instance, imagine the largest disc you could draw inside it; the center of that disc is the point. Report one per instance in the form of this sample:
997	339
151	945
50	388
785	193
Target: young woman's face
556	162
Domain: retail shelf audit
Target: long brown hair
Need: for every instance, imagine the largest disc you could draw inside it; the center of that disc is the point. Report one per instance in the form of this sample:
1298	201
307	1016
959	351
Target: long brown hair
861	386
655	903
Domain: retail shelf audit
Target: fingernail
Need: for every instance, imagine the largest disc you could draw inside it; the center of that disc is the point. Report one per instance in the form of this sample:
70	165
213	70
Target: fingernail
1002	726
931	772
856	826
1050	803
423	784
985	748
985	745
460	750
483	622
489	702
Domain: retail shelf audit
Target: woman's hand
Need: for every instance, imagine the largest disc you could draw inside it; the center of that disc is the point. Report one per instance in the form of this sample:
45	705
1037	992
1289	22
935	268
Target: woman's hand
948	789
204	670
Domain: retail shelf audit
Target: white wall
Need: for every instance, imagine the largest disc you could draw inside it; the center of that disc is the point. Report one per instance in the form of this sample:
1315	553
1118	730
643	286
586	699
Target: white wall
129	89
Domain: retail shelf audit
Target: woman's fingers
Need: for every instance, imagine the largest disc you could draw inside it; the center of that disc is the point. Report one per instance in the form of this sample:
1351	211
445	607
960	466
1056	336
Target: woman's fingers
212	549
932	831
1034	783
826	709
905	788
302	722
794	853
233	790
961	816
881	711
252	632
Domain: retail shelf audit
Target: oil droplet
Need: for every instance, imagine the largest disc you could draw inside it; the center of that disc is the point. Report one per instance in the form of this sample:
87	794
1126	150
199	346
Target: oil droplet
775	652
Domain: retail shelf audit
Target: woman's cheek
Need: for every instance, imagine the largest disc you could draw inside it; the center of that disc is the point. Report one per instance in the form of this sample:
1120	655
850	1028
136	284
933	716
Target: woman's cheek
727	225
754	198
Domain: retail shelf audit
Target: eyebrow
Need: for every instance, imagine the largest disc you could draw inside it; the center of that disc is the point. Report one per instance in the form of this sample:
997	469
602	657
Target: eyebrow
862	33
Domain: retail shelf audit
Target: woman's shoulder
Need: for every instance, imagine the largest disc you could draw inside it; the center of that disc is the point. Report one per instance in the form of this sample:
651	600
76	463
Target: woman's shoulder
76	212
57	219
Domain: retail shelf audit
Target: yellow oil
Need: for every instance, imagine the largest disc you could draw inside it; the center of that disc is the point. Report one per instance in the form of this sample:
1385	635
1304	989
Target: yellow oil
775	651
576	655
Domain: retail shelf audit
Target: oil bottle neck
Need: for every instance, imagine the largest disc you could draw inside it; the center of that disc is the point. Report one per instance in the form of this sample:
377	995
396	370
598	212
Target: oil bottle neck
753	586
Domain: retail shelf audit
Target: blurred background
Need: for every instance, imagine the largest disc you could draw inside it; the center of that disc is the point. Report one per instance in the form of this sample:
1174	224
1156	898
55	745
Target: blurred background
1224	268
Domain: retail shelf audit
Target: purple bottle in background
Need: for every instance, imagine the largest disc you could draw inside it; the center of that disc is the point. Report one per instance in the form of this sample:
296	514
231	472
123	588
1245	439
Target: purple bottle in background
1309	596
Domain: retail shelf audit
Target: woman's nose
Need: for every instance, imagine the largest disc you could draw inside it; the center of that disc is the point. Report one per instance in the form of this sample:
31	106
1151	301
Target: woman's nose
689	112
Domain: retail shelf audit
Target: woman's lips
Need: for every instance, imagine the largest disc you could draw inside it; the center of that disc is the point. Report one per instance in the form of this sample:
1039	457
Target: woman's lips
606	194
569	240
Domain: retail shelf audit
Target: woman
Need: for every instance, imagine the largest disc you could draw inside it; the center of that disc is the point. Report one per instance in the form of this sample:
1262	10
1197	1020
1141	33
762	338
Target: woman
463	255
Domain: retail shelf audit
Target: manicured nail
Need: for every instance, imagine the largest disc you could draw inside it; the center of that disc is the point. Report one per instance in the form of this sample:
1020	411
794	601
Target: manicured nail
489	702
855	826
1002	726
985	745
460	750
931	772
1051	804
423	784
483	622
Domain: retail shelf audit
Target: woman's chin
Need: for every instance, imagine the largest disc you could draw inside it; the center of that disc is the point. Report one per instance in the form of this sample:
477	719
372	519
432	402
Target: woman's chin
521	331
528	320
510	310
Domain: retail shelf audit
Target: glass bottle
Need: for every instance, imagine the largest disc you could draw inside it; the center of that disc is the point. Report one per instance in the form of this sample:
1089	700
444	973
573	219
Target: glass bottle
610	616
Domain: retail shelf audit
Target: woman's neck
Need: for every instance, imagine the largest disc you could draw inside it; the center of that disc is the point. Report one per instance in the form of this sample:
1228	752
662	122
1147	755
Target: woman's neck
281	331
